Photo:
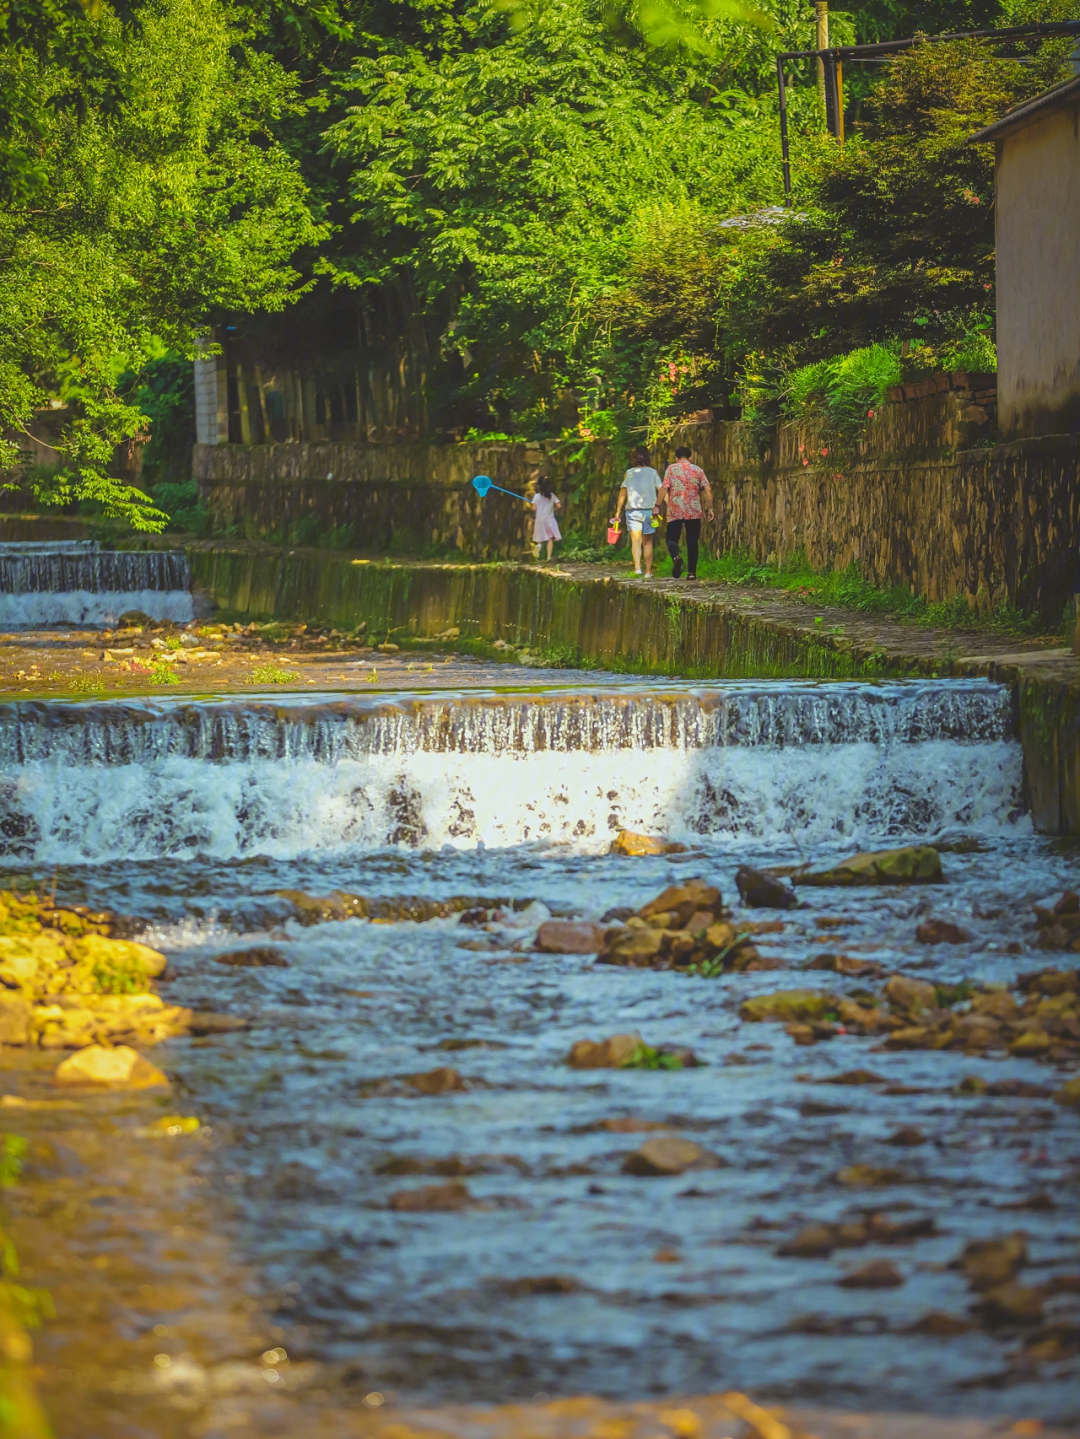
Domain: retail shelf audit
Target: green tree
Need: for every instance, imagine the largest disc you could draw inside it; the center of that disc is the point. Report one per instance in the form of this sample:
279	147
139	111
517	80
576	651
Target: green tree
156	197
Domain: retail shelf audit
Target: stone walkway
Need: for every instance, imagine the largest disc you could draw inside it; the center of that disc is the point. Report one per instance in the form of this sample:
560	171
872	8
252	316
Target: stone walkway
957	652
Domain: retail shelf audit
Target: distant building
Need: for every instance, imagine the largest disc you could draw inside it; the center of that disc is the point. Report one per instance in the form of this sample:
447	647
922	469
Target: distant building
1038	263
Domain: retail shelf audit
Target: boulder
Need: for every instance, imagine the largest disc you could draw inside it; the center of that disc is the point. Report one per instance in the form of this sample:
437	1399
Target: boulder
941	931
628	843
603	1054
759	890
915	864
878	1274
443	1080
259	956
789	1006
433	1198
634	948
912	995
669	1156
99	1068
563	936
683	900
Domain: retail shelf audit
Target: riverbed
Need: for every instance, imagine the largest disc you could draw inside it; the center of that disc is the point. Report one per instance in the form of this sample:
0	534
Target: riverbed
554	1272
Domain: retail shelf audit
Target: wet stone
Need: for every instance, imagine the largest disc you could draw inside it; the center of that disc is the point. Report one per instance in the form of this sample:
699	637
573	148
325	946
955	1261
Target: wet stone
257	957
626	842
603	1054
914	864
442	1080
989	1263
941	931
878	1274
762	891
669	1156
561	936
432	1199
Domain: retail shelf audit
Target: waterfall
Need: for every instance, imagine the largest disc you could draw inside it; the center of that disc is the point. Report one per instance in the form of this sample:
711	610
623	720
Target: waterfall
76	582
301	774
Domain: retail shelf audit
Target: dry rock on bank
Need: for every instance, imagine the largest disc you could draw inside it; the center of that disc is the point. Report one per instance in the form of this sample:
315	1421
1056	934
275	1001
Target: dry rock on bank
66	984
97	1067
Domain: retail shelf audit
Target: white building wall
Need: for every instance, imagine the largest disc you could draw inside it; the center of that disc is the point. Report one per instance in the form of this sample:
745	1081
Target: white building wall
1038	276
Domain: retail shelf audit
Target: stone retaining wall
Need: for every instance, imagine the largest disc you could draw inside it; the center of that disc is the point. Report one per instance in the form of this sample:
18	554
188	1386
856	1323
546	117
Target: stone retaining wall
925	501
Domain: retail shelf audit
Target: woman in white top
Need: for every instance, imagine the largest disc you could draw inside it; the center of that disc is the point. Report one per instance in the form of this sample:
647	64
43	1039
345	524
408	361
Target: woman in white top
640	487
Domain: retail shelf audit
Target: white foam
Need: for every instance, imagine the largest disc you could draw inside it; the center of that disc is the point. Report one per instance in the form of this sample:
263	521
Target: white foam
40	609
179	807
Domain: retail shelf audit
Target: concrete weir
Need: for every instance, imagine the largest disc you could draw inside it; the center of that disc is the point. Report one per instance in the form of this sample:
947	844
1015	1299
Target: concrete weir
586	615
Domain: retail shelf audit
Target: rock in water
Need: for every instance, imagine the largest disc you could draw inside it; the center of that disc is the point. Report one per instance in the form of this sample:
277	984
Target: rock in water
260	956
563	936
916	864
788	1005
878	1274
990	1263
758	890
99	1068
941	931
629	843
682	901
432	1198
436	1081
669	1156
603	1054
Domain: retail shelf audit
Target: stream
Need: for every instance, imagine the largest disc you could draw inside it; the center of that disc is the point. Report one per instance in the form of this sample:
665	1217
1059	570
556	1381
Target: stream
493	810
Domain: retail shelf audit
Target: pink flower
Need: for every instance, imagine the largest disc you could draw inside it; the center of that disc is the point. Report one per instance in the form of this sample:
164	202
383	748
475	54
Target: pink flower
869	414
825	452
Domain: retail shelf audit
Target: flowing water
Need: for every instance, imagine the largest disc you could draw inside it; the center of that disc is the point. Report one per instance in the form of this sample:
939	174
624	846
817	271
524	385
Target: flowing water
75	582
567	1274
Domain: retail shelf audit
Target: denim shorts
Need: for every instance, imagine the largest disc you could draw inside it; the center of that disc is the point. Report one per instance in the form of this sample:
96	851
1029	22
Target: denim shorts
640	520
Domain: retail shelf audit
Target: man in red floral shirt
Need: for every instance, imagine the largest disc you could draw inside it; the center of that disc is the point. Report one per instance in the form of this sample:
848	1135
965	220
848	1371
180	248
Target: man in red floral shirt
681	492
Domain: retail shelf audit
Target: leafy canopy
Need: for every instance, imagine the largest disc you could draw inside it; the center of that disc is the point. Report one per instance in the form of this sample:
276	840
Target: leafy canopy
155	199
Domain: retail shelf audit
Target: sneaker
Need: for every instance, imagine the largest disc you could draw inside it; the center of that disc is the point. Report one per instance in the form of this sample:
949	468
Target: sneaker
638	573
676	568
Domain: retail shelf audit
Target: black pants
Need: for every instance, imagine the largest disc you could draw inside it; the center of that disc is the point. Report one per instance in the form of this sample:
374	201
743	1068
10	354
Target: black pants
693	535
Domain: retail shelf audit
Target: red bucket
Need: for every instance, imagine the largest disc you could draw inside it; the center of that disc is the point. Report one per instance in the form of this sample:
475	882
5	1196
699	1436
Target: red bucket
613	533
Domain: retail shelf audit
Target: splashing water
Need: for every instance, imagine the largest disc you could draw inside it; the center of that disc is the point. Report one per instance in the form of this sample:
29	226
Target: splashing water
809	763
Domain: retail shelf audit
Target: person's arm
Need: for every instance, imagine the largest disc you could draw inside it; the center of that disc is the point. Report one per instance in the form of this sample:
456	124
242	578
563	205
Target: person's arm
558	503
621	504
707	488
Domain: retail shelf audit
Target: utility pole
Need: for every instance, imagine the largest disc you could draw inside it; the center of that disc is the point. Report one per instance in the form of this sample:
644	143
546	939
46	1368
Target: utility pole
821	18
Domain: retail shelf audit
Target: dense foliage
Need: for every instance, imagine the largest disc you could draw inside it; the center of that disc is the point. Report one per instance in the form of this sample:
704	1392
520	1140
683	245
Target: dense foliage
150	197
578	201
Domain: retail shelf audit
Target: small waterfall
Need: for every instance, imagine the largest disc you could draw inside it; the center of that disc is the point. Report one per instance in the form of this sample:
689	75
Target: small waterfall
116	779
76	582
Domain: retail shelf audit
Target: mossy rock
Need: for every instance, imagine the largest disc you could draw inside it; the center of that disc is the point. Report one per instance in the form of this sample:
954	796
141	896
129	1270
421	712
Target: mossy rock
789	1005
915	864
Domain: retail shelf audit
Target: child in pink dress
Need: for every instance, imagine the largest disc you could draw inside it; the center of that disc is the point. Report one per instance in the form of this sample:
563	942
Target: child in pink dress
545	502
